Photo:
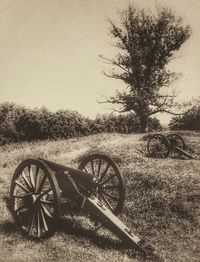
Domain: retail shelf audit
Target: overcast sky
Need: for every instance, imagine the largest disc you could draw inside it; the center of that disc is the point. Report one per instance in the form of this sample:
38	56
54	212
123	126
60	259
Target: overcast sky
49	52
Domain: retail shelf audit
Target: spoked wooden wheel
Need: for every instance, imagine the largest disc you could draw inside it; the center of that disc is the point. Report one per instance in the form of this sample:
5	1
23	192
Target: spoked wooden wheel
35	198
175	141
111	188
158	146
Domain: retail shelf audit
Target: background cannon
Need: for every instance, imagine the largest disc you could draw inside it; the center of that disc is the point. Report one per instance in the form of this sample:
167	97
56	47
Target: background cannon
39	187
162	146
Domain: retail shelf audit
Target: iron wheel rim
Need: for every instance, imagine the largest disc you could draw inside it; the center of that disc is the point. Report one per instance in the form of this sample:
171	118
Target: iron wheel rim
158	146
175	140
35	199
111	186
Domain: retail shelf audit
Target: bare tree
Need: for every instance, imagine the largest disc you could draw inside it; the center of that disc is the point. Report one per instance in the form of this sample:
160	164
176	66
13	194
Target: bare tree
146	44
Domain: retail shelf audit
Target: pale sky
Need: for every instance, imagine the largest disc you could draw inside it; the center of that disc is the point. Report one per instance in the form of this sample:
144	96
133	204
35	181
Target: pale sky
50	49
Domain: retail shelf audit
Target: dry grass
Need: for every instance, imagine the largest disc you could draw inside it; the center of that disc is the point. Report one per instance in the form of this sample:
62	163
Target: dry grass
162	202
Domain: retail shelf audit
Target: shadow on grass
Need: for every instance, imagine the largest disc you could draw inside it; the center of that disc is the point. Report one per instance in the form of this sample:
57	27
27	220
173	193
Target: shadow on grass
7	228
68	226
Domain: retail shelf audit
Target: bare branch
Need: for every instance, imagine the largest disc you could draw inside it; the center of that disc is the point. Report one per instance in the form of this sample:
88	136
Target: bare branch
164	111
115	63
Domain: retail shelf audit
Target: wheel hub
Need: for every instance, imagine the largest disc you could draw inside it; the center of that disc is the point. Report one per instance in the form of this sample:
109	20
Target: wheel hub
34	198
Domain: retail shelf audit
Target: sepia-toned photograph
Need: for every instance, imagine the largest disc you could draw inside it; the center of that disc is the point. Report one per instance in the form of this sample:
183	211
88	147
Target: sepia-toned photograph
99	130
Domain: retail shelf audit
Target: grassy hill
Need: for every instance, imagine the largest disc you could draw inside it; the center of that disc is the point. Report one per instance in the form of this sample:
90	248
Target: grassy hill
162	202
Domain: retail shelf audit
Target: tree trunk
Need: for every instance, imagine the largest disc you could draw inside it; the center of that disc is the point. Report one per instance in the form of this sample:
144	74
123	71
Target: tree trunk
142	117
143	123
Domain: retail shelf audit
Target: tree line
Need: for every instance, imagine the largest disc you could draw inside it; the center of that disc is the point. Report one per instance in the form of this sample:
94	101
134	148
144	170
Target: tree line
18	123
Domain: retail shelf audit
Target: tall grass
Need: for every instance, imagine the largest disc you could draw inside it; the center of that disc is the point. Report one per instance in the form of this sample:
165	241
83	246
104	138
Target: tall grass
162	202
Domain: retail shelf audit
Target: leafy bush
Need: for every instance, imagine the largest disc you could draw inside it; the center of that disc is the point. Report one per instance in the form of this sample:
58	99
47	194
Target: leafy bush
188	121
9	115
123	123
29	126
18	123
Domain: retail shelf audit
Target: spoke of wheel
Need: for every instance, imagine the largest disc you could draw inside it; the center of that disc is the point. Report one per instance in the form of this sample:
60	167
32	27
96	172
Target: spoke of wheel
44	220
36	179
37	182
38	225
31	177
104	172
107	180
111	187
85	169
100	198
45	193
156	141
24	196
41	184
151	149
99	168
46	211
21	207
26	180
31	224
47	202
106	201
98	195
107	194
92	166
22	187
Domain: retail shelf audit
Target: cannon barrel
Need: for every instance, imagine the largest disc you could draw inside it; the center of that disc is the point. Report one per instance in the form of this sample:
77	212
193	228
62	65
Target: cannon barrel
81	178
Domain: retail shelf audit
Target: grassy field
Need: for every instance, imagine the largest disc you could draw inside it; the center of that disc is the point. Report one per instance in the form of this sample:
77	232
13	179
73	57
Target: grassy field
162	202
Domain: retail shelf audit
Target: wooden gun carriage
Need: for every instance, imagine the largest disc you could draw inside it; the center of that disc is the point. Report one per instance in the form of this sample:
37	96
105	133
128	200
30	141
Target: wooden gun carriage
161	146
39	187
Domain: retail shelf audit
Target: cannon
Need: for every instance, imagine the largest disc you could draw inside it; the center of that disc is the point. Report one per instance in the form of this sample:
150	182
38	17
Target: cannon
39	189
161	146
